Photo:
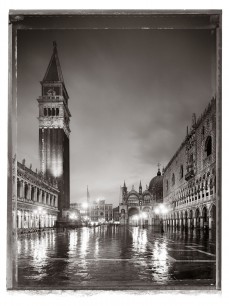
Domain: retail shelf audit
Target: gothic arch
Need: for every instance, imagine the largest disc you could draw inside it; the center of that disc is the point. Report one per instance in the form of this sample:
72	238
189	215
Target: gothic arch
208	145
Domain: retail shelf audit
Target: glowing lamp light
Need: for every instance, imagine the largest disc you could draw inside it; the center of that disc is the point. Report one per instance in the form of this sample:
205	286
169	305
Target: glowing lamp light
85	205
164	210
73	217
135	218
156	210
144	215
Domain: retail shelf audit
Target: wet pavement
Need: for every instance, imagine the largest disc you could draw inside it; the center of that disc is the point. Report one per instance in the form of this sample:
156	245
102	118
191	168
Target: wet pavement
116	257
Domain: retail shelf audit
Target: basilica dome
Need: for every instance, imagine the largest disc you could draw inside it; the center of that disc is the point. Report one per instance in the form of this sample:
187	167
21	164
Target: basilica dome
156	187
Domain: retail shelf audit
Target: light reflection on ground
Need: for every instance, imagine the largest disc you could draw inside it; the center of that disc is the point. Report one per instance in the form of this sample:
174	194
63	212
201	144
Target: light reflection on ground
115	256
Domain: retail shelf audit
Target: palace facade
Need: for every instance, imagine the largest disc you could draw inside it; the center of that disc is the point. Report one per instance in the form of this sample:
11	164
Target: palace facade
189	184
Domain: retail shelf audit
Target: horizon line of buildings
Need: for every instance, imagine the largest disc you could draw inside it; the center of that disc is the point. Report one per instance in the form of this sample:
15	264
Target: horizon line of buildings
184	194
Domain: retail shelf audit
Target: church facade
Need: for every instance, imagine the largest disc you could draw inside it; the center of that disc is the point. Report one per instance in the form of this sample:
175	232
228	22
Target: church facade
189	184
140	207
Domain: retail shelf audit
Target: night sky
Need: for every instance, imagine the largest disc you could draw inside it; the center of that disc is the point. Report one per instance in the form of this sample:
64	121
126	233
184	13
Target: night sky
132	94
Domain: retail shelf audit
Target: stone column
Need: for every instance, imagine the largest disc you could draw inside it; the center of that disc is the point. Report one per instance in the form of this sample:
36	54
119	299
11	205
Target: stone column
189	222
194	222
210	222
22	189
201	222
22	219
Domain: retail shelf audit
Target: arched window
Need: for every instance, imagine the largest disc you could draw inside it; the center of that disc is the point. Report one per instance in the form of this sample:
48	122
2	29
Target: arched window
203	130
208	145
53	111
181	171
173	179
45	111
57	111
49	112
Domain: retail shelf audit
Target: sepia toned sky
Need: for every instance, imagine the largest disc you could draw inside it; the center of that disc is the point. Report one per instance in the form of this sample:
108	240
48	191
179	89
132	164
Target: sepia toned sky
132	94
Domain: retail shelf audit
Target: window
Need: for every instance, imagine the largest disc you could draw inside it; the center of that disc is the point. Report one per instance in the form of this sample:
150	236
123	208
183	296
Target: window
173	179
53	111
167	184
208	145
181	171
203	130
49	112
57	111
45	111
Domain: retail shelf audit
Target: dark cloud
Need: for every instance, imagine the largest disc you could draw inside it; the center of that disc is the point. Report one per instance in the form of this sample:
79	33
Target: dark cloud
132	94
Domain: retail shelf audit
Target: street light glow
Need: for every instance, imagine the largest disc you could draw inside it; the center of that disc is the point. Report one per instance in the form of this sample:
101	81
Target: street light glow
73	216
144	215
85	205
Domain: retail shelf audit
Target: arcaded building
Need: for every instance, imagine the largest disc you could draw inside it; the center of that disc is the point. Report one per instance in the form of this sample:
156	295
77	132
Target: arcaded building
139	207
37	198
189	183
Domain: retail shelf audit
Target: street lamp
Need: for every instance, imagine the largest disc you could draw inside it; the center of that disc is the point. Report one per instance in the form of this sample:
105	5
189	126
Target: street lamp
136	218
40	212
143	216
160	211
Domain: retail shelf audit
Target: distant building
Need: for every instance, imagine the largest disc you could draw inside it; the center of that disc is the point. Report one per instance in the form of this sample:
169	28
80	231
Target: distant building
116	214
96	211
139	207
71	217
101	211
83	209
189	183
37	199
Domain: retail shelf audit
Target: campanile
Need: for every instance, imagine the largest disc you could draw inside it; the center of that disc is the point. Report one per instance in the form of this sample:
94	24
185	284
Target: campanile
54	131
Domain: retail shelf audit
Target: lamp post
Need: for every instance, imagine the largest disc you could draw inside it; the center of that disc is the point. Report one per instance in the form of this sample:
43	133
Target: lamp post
160	211
40	212
143	216
136	219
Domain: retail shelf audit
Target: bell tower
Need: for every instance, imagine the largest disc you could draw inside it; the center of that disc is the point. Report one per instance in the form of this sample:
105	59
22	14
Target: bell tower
54	131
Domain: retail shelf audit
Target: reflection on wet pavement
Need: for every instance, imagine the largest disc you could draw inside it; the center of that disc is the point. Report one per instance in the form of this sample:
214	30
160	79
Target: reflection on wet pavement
115	256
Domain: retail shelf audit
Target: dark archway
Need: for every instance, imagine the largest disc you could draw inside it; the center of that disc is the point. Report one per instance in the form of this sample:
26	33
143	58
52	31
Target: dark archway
208	145
133	216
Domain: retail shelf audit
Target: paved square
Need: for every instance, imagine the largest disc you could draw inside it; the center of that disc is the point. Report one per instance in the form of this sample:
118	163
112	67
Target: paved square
116	257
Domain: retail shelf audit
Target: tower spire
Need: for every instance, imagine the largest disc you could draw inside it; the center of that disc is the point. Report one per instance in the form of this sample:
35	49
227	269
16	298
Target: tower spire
54	72
88	195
